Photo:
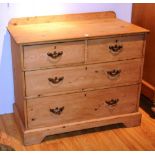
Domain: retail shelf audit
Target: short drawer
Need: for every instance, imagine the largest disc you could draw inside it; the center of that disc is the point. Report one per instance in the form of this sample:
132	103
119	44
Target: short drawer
58	80
117	48
63	109
48	55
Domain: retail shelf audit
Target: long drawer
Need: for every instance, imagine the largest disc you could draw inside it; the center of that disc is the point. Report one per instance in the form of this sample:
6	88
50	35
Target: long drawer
50	55
68	108
117	48
82	77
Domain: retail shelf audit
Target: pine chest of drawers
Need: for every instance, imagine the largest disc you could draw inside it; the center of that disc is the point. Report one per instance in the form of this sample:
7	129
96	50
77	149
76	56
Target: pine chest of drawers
73	72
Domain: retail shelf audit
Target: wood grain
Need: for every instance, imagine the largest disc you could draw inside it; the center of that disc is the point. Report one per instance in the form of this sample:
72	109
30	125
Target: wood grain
35	57
89	76
19	83
77	29
87	105
66	17
35	136
132	47
9	133
148	90
104	138
144	18
77	81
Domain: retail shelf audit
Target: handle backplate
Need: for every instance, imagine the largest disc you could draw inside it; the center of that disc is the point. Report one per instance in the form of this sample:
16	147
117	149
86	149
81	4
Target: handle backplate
56	80
55	54
113	74
115	49
112	102
57	111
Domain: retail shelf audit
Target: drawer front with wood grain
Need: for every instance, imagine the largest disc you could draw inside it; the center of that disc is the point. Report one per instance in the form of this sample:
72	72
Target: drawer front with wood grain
50	55
69	108
104	75
117	48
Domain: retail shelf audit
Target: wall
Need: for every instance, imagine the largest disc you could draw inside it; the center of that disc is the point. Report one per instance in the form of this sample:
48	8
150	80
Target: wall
8	11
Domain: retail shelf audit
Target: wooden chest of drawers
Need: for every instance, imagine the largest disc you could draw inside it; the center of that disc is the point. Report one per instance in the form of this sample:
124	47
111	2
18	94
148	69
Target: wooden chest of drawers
74	72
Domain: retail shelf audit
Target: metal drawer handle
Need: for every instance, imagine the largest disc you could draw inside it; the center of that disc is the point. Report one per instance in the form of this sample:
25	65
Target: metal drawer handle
57	110
56	80
55	54
115	49
112	102
113	73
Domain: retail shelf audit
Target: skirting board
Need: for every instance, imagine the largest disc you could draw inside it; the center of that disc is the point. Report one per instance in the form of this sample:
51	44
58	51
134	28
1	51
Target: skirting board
35	136
148	90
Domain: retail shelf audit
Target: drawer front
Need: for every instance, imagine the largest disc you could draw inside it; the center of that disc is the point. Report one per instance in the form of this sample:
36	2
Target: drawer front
113	49
63	109
48	55
113	74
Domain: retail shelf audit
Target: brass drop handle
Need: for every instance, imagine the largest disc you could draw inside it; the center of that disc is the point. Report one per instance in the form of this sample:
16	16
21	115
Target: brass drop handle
112	102
55	54
57	110
115	48
56	79
114	72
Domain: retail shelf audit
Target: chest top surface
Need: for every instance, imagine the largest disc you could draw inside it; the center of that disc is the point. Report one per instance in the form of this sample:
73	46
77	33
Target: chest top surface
69	27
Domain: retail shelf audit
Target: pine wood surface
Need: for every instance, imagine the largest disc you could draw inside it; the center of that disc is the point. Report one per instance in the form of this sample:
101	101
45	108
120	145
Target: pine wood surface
65	17
70	29
36	56
45	80
79	52
86	106
18	76
98	49
103	138
83	77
